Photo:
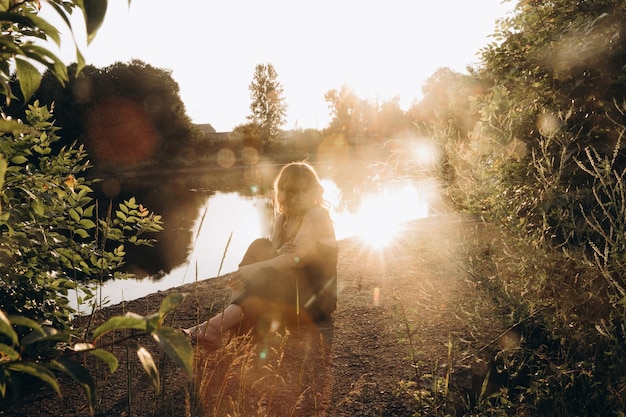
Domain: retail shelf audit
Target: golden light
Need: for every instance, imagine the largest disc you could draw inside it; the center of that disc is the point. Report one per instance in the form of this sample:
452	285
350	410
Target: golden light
380	214
425	153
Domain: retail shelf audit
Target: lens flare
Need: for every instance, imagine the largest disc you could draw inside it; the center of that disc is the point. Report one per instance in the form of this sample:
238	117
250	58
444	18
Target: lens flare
379	217
120	132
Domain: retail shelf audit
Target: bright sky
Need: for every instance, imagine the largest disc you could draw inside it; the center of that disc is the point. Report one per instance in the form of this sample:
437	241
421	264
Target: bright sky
381	49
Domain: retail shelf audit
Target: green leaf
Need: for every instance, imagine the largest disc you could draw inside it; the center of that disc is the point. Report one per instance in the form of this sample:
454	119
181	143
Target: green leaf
107	357
80	375
28	76
49	29
37	208
171	302
127	321
9	352
19	159
74	215
153	322
38	371
6	328
94	11
150	367
89	211
25	322
87	224
82	233
3	170
46	334
176	346
80	64
11	126
120	215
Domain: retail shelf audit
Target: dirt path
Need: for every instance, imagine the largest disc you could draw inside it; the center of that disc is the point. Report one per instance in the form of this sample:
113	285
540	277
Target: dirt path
405	313
425	303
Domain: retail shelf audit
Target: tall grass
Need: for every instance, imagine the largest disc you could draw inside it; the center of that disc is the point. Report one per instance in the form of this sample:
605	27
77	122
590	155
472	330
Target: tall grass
557	270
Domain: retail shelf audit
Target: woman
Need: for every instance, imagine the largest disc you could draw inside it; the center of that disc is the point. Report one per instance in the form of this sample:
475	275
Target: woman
290	277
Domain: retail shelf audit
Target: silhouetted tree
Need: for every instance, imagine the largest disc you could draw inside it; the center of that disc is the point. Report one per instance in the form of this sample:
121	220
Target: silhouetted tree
268	104
349	113
358	119
127	114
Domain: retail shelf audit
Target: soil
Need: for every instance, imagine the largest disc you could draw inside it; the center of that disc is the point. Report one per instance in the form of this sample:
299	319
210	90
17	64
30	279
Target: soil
408	318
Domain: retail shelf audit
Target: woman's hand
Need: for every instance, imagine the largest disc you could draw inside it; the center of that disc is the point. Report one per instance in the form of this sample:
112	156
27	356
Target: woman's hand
288	247
239	278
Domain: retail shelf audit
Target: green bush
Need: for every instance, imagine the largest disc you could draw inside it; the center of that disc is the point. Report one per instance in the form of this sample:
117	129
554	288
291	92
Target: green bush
54	235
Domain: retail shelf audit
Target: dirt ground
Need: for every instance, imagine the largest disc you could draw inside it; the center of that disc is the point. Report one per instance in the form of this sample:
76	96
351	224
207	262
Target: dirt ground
407	313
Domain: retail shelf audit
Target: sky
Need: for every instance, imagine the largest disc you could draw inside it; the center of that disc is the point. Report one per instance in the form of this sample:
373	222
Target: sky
379	48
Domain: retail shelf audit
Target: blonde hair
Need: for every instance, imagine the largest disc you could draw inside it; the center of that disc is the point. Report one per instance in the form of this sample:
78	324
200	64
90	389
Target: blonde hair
287	178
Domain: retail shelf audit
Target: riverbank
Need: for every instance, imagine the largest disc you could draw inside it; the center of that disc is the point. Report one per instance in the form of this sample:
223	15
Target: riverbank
406	313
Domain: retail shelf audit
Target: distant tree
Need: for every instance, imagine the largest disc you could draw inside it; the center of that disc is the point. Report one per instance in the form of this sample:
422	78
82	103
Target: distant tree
247	134
130	107
391	119
358	119
268	104
349	113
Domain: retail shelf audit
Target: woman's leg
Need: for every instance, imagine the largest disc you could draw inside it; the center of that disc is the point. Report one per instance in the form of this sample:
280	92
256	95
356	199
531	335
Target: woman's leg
259	250
210	332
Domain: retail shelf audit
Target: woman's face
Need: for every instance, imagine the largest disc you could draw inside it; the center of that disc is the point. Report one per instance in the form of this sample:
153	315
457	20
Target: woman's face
300	196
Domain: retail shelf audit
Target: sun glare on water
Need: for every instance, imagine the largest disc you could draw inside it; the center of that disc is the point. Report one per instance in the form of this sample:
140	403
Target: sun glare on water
380	214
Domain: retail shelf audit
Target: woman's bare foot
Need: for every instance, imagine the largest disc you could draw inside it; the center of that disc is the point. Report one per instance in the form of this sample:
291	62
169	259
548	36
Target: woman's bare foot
205	334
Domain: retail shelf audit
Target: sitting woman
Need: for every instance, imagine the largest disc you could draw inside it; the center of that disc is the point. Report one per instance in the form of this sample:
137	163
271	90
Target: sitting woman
289	278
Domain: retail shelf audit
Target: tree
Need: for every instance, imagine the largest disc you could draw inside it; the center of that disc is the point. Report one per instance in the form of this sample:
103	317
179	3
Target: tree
559	60
349	113
268	104
446	103
358	119
556	83
132	106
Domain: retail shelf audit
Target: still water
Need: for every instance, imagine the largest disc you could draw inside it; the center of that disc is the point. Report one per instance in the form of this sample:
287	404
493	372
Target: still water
210	220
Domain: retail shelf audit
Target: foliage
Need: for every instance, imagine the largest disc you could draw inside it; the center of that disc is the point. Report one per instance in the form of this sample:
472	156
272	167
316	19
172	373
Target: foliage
268	105
545	160
349	113
21	29
359	120
447	103
558	57
97	96
54	237
43	351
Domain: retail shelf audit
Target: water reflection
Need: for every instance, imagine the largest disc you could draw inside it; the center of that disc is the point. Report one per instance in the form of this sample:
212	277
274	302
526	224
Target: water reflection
380	211
207	231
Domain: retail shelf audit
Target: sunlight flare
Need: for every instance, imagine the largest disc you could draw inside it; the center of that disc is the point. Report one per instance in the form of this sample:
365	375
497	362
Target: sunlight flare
379	216
425	153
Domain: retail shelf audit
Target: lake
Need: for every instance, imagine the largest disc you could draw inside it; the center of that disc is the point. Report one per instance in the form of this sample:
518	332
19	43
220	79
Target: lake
211	216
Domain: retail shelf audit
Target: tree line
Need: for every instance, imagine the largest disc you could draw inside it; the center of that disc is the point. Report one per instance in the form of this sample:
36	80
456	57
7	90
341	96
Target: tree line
136	107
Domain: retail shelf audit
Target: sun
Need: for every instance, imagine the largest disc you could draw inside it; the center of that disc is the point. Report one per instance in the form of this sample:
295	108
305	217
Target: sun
379	217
